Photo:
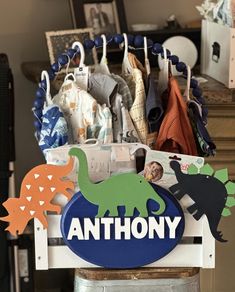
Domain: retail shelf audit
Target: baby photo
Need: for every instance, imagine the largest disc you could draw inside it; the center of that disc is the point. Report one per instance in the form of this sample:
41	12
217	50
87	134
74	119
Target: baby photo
153	171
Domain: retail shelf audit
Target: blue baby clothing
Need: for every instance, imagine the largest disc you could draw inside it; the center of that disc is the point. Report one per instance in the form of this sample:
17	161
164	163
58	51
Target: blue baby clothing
54	131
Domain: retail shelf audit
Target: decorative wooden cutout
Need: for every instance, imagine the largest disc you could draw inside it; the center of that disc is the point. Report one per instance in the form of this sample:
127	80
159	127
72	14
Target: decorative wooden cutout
209	190
122	242
127	189
39	187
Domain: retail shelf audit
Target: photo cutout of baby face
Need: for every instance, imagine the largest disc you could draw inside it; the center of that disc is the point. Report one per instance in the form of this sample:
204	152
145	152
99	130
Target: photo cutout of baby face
153	171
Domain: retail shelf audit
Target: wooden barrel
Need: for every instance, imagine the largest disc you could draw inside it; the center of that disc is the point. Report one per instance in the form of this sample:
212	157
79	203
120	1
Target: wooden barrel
138	280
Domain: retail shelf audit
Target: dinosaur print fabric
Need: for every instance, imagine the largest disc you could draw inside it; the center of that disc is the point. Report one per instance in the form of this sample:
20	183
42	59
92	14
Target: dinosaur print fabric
86	118
54	131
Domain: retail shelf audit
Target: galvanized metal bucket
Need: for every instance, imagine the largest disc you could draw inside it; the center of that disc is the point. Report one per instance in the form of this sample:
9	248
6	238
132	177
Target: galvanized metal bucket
189	284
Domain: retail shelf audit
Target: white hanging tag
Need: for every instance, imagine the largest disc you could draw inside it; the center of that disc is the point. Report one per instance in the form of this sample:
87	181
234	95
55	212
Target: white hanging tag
120	153
82	76
82	72
98	163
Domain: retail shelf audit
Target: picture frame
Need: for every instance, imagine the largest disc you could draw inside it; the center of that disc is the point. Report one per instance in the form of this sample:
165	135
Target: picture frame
59	41
104	16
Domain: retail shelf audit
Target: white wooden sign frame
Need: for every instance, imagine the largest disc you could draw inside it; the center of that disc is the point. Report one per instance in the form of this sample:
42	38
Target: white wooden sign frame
184	255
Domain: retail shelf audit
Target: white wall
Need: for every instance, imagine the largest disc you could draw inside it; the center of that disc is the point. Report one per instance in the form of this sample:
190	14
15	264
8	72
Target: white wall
22	27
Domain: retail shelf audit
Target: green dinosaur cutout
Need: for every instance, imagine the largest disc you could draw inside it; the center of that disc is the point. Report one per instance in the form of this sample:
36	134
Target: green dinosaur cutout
222	175
226	212
230	202
206	169
127	189
192	169
230	187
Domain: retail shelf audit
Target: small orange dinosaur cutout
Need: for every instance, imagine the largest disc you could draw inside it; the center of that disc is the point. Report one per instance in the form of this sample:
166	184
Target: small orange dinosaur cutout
38	188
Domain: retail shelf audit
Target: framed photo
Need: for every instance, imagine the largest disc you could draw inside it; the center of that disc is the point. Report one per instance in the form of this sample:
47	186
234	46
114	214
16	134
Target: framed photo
103	16
59	41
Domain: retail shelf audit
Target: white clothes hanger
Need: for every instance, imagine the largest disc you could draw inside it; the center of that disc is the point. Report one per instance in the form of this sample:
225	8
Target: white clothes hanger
104	60
164	53
186	95
82	53
67	66
69	78
166	62
187	89
126	65
70	75
163	74
82	72
102	67
146	60
45	75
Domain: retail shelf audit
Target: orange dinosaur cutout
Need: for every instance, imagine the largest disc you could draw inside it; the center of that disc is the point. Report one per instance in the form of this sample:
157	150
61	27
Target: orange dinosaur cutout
40	185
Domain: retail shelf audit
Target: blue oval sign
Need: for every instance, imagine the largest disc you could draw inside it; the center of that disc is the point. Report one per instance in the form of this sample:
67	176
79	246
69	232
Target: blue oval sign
122	242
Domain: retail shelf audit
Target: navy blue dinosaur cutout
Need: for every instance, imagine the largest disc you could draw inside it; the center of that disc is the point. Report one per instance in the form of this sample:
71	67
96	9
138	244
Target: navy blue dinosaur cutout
211	193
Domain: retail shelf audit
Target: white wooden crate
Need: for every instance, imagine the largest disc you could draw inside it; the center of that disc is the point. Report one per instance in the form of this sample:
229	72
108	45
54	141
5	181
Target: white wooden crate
184	255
